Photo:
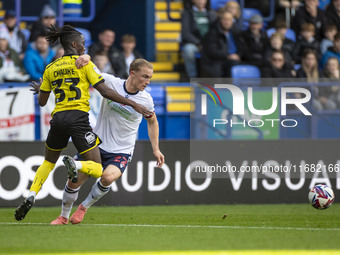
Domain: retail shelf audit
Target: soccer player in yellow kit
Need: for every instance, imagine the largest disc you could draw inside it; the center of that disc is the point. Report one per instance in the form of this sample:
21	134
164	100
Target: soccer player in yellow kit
70	115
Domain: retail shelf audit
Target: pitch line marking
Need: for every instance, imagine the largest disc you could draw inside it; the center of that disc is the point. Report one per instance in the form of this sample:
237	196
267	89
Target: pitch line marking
184	226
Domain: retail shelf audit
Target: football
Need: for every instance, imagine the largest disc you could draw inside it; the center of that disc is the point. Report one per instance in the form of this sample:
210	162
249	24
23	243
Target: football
321	196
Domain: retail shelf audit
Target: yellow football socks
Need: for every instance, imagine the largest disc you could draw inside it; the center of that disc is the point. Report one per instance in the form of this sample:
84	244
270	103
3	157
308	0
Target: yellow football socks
91	168
41	176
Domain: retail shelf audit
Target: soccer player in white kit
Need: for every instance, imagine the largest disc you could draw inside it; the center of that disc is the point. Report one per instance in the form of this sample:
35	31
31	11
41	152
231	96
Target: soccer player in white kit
117	126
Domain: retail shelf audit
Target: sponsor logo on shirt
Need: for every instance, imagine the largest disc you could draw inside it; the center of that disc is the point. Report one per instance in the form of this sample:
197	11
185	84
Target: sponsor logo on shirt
97	70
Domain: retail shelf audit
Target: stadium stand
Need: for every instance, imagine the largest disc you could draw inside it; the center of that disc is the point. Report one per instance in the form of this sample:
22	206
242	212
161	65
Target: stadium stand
245	71
167	39
241	75
216	4
247	13
290	34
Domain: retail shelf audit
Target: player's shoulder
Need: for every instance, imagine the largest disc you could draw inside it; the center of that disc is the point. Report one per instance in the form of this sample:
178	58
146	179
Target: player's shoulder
91	67
109	78
146	96
90	64
62	61
146	93
52	63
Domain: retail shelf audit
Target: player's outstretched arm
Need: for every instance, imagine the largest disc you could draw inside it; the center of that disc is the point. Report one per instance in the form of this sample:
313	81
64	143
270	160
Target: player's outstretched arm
153	131
109	93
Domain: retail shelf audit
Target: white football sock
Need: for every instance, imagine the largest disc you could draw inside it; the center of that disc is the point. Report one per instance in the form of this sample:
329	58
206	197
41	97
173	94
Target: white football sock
32	194
98	190
69	197
78	165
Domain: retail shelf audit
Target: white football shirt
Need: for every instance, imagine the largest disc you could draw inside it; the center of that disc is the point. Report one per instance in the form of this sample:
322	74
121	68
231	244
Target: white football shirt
117	124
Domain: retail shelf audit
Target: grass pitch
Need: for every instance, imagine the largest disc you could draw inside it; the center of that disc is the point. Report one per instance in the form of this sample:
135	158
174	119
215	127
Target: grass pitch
209	229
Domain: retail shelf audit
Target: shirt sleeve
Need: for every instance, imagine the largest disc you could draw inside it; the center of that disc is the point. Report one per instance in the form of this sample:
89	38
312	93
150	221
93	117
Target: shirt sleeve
46	85
93	74
111	81
150	106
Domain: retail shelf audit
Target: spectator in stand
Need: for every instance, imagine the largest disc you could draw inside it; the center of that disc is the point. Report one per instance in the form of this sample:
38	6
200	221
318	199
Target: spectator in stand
106	44
288	44
329	96
17	40
276	44
310	13
101	60
38	55
333	13
327	42
305	41
309	70
221	47
59	52
332	51
128	44
309	66
195	24
235	9
11	68
255	41
277	67
47	19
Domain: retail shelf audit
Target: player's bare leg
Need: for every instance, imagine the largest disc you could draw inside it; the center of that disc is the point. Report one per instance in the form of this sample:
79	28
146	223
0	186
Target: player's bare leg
99	189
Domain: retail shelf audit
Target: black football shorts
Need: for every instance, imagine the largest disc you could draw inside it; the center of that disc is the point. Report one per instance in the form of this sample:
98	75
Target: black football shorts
74	124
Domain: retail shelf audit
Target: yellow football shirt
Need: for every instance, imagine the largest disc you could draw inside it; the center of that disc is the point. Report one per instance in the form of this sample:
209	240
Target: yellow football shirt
69	84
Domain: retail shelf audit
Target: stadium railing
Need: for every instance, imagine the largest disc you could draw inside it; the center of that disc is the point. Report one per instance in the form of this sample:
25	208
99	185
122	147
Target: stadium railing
60	17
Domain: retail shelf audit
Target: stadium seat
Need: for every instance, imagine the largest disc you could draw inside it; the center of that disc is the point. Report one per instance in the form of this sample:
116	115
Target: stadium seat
158	96
241	75
245	71
26	33
247	13
290	34
297	67
216	4
323	4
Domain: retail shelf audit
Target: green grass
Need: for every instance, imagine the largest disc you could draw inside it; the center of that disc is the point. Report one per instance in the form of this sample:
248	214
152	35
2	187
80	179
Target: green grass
245	227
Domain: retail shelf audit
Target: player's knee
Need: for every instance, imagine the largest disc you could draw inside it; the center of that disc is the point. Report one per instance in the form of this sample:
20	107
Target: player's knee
110	174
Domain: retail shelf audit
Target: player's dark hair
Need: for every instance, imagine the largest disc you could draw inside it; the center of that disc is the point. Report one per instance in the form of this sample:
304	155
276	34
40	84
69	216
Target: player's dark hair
66	34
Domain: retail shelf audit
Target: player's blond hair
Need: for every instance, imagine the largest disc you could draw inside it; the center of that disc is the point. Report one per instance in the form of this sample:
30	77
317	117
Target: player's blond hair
138	63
